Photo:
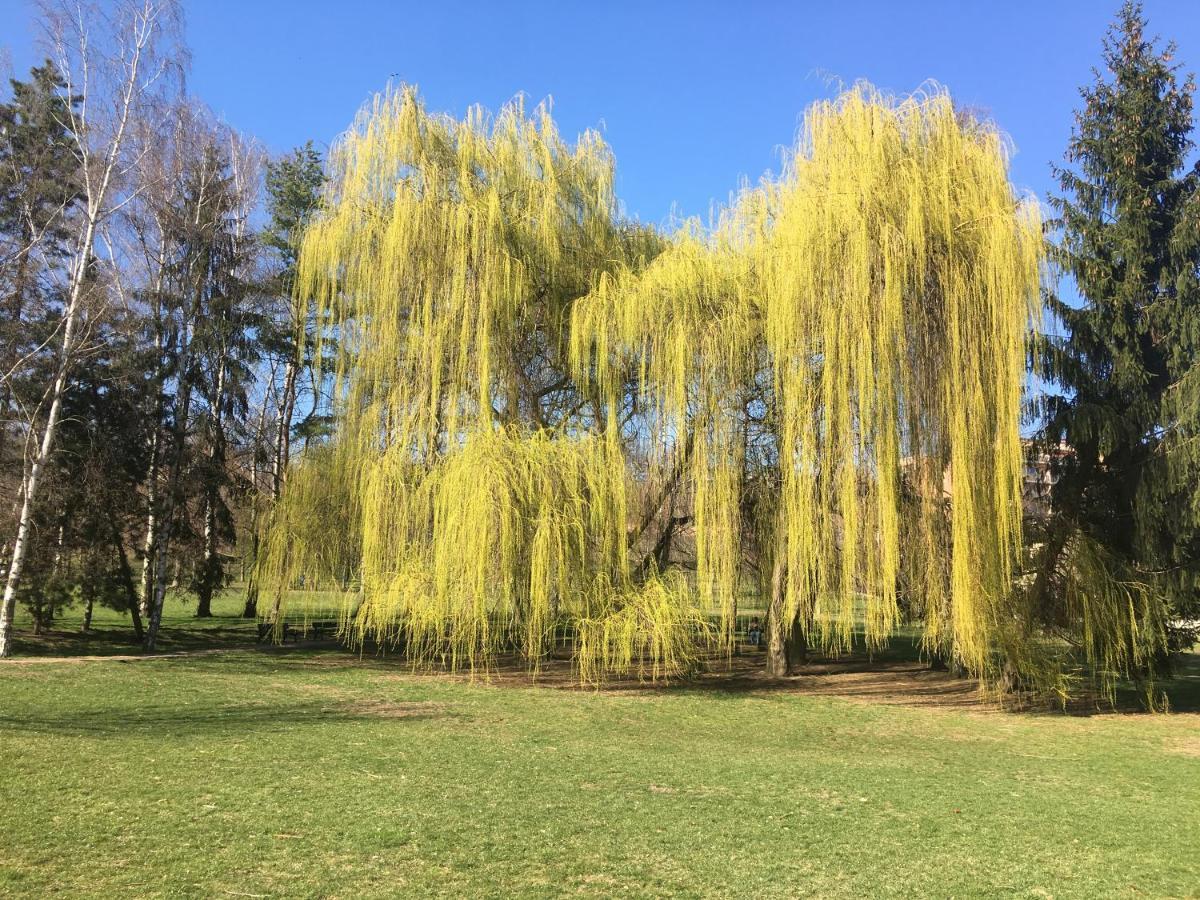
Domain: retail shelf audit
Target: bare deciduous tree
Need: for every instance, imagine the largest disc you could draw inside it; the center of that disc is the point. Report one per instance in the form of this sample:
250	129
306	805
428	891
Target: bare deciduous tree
120	60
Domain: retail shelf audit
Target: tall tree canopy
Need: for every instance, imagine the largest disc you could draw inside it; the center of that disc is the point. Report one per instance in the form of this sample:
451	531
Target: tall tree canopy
39	188
1125	503
445	260
876	298
829	378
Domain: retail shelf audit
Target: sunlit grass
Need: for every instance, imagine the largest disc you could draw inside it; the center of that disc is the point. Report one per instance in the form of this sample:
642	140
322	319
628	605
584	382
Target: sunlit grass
301	773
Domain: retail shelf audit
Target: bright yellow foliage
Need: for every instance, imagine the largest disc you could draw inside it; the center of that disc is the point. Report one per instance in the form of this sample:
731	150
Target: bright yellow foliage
867	310
444	265
885	284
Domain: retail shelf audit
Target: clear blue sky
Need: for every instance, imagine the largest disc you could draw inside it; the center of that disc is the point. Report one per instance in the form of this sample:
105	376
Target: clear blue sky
692	96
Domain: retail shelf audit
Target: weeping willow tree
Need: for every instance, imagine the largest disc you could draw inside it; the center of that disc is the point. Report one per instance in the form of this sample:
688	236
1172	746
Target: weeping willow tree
827	381
875	300
467	505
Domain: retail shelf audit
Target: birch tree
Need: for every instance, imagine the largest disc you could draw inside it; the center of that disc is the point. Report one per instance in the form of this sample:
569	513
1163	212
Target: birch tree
198	282
120	62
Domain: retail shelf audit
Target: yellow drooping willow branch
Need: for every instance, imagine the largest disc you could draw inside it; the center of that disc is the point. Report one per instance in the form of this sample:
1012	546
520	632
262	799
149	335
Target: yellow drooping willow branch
882	288
834	370
482	514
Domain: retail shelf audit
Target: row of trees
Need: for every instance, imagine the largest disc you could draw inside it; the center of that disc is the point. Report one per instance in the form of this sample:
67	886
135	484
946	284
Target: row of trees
152	383
547	415
817	396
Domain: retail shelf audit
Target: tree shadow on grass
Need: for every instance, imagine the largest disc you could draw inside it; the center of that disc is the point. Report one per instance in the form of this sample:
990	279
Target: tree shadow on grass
897	678
1182	690
188	720
176	635
896	675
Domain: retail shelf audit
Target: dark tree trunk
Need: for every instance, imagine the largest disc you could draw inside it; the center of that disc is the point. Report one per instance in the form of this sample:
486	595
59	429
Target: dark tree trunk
131	591
777	657
939	662
652	509
787	647
250	610
211	570
797	647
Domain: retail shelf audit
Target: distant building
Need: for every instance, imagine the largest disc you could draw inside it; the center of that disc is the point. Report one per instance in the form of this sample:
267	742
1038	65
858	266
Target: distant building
1039	479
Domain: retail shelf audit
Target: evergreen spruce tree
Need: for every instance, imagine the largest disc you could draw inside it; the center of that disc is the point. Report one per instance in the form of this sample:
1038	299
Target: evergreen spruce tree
1126	361
39	187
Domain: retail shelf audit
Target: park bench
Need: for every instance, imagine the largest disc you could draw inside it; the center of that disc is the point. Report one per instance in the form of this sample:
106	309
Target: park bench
297	629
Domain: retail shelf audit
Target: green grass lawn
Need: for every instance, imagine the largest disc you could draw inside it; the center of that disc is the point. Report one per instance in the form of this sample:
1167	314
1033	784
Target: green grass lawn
112	633
312	773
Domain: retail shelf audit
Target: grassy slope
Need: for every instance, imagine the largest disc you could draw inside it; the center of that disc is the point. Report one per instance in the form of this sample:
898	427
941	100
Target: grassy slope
306	773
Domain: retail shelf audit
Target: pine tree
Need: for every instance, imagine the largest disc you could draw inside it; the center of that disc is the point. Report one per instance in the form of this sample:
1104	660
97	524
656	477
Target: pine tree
1128	239
294	184
79	552
39	187
125	64
212	356
227	344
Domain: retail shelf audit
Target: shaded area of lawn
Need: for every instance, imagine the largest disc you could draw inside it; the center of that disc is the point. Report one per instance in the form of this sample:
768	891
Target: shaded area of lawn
296	773
893	674
112	632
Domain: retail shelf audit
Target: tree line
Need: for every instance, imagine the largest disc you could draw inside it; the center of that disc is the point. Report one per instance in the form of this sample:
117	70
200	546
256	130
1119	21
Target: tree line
154	383
166	348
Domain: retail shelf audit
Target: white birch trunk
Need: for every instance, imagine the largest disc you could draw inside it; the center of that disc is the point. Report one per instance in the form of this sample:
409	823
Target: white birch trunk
16	562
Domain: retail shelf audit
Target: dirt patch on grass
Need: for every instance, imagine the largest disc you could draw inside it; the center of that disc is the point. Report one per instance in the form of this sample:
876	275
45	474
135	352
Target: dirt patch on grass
903	684
1186	746
895	683
387	709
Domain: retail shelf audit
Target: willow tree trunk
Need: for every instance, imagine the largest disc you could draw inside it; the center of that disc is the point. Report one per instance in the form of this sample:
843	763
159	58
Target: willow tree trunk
786	644
777	661
787	647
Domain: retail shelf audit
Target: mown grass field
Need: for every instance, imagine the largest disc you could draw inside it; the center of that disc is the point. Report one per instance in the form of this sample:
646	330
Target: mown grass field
312	773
